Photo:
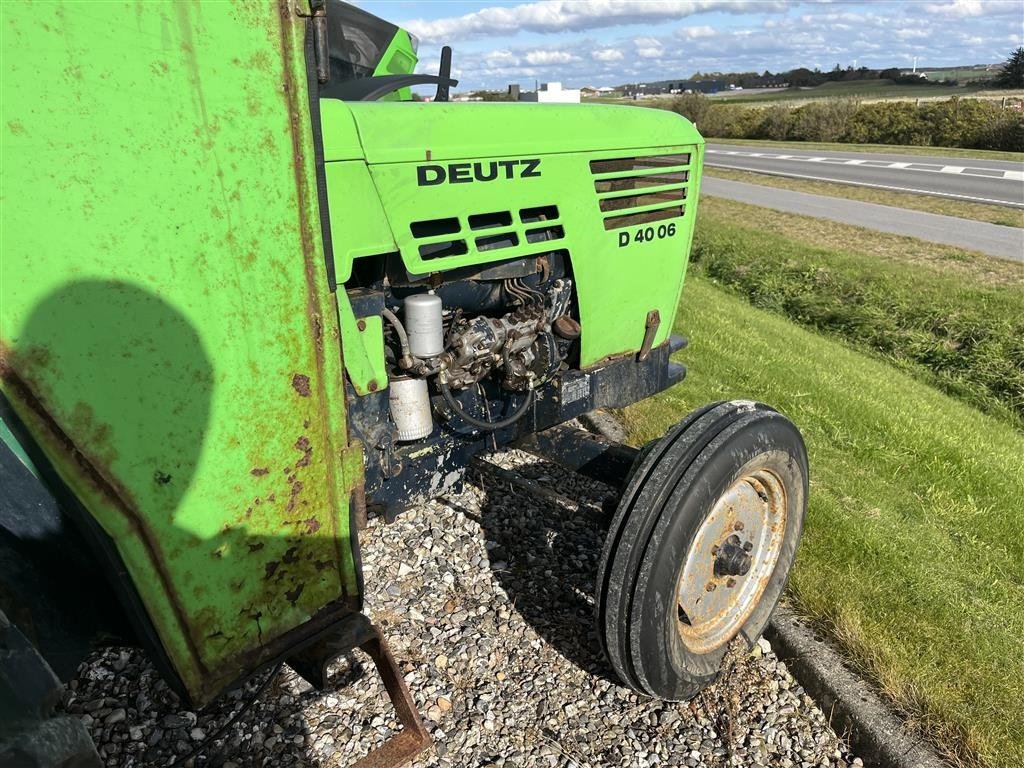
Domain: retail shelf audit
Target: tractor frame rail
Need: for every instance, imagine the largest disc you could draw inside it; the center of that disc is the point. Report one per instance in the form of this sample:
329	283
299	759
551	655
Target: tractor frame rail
584	452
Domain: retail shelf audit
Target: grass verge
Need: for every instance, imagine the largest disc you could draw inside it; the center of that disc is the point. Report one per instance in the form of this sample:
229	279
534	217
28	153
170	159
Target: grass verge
890	149
947	315
993	214
910	558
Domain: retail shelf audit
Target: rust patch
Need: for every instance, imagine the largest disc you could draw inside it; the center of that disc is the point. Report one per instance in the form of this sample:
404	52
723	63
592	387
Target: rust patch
293	594
256	546
296	490
290	555
161	478
259	471
269	569
300	383
312	525
303	444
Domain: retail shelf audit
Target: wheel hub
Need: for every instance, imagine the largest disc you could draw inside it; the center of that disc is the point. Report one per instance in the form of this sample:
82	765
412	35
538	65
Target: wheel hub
730	561
733	558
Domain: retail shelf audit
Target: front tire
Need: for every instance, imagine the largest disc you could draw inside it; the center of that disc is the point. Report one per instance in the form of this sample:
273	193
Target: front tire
701	546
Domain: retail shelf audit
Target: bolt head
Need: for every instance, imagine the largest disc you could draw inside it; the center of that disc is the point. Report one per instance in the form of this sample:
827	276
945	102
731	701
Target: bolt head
711	586
731	582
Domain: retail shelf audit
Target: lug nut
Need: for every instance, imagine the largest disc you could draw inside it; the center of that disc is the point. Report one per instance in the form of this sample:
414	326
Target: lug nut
711	586
747	546
738	525
730	583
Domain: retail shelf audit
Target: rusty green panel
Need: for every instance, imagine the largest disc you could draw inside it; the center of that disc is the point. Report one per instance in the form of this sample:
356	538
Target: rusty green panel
168	335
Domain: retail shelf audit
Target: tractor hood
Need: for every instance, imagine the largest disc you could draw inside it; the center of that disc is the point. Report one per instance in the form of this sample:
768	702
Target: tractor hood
404	132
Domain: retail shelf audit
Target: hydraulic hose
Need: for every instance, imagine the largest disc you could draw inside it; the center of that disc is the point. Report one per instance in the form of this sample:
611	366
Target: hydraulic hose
490	426
403	337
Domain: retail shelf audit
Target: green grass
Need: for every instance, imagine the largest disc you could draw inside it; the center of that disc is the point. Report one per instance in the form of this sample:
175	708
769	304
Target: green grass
912	556
960	74
871	90
894	149
948	315
944	206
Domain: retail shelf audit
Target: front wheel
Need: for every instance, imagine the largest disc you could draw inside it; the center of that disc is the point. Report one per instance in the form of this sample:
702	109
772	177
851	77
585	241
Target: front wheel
701	546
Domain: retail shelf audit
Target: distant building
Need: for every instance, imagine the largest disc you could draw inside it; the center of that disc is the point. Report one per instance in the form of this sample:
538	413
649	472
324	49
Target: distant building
552	93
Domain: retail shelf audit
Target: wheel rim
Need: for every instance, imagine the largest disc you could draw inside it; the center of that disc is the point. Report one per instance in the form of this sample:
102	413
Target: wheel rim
730	561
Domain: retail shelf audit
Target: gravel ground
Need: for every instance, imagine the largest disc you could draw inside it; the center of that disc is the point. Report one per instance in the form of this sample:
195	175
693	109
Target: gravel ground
485	598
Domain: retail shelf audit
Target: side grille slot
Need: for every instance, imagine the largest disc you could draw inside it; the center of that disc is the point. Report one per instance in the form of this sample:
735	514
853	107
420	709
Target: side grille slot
489	231
442	249
491	242
544	233
434	227
489	220
641	190
436	236
541	213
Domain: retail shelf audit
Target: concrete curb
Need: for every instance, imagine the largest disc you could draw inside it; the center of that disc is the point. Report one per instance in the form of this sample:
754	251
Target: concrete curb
874	731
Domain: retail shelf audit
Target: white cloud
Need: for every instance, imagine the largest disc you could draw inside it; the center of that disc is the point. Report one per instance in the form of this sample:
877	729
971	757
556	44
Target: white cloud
648	47
542	57
911	34
607	54
503	58
650	53
575	15
956	9
695	33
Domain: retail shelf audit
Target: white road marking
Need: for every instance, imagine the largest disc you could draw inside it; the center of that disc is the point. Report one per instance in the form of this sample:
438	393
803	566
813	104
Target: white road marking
954	169
876	186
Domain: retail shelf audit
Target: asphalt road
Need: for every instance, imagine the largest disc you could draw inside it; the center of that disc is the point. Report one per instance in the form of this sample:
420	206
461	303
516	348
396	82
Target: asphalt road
992	239
984	181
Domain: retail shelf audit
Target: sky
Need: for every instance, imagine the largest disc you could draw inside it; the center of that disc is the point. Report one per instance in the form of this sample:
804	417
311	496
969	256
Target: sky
611	42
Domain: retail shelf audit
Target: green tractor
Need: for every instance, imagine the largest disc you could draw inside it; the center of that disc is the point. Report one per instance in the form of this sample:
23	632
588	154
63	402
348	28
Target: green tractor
253	294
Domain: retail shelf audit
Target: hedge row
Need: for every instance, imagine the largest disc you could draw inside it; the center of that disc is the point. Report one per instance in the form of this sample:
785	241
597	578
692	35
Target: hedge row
956	122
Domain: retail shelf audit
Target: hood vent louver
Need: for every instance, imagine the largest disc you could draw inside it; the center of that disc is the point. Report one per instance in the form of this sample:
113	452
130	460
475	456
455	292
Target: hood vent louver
641	190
